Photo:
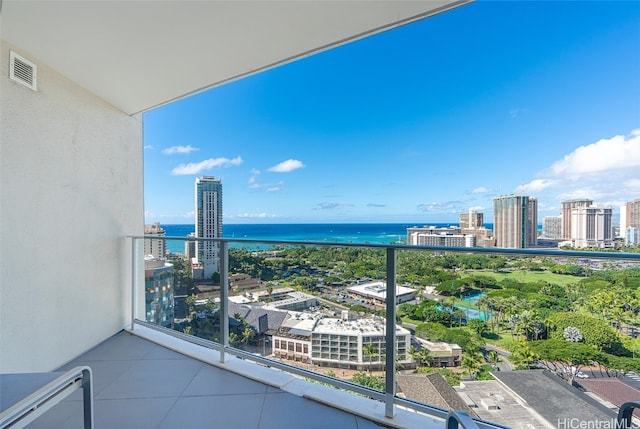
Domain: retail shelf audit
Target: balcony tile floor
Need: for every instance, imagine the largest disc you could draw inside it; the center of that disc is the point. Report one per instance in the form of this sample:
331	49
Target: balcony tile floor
140	385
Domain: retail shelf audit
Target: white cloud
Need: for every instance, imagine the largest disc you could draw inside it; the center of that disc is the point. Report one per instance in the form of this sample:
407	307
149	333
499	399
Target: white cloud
581	193
606	155
252	216
268	187
633	184
614	203
536	185
168	217
287	166
517	111
456	206
148	147
252	179
179	149
480	190
332	206
608	169
207	164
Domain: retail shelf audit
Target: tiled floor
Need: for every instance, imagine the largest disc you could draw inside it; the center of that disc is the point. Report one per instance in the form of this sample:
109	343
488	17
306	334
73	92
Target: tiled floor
141	385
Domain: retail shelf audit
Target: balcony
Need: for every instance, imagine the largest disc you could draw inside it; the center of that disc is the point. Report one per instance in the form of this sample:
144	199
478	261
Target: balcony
149	376
372	407
72	178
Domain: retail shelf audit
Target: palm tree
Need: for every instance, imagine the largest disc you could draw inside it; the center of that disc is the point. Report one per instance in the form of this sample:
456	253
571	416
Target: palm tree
247	334
470	362
493	356
269	289
370	351
424	357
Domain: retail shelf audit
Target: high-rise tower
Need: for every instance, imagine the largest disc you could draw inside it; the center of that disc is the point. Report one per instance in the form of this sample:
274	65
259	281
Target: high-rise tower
552	227
515	221
472	219
633	214
155	247
567	207
592	226
208	212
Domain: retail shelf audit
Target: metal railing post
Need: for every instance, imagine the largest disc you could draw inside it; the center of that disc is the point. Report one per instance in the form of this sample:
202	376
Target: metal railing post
224	299
625	414
134	280
456	419
390	337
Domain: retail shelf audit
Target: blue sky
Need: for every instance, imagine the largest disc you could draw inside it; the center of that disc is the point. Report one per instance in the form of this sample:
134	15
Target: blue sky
418	124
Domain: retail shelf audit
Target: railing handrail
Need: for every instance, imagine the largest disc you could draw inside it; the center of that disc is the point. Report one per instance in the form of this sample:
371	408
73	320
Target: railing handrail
388	395
50	394
456	419
489	250
625	414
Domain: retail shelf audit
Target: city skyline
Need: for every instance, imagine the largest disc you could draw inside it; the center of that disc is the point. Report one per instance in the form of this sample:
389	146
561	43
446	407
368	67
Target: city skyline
418	124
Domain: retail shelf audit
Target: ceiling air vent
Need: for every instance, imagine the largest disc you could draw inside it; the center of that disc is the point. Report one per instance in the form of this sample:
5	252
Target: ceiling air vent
23	71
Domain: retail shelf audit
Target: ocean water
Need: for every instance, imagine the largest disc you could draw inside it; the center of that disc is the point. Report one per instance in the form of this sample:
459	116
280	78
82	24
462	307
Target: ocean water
362	233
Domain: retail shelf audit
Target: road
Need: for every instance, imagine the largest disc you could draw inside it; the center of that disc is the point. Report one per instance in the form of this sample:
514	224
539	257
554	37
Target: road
504	363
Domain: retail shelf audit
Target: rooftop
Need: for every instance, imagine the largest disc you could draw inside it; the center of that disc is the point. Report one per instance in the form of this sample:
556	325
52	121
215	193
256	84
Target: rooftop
431	389
378	290
553	398
511	410
612	390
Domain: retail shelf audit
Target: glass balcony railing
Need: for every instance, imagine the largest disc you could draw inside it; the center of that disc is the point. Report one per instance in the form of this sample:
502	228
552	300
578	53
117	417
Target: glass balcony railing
323	312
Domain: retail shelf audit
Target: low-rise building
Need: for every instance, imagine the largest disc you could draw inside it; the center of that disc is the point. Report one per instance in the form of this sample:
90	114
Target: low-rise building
434	236
376	293
356	344
442	354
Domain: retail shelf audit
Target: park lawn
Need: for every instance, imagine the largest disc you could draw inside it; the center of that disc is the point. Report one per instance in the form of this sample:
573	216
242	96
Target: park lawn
533	276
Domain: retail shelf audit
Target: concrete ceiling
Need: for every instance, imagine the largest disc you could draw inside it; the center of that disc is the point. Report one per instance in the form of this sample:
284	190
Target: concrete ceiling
139	54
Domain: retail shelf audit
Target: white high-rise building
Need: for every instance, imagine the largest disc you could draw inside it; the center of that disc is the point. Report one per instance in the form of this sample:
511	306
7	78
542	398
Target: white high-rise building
567	207
208	212
623	221
592	226
515	221
552	227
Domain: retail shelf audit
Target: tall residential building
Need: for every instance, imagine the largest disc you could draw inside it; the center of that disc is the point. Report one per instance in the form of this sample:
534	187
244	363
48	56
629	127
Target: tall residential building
208	212
515	221
567	206
472	219
157	248
190	247
633	214
158	286
592	226
632	236
552	227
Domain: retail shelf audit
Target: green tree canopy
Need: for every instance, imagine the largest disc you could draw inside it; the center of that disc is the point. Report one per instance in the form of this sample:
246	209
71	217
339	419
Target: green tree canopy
594	331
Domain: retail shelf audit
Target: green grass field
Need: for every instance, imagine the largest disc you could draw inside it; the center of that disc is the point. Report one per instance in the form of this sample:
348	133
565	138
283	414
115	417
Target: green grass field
533	276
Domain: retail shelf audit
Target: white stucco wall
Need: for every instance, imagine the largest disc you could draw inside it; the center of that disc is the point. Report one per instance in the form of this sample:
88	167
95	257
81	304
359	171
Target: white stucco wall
71	189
